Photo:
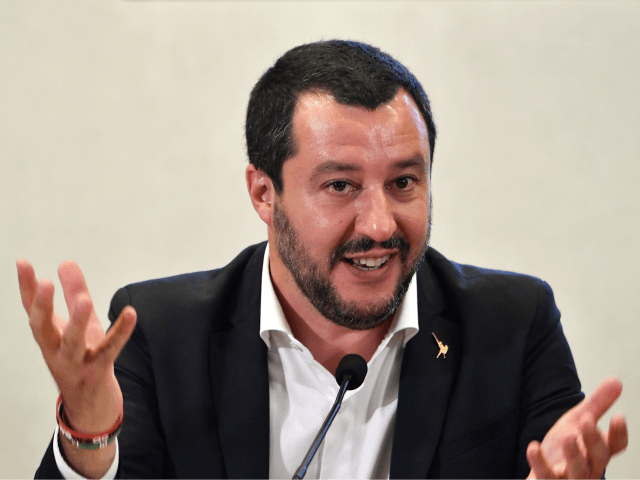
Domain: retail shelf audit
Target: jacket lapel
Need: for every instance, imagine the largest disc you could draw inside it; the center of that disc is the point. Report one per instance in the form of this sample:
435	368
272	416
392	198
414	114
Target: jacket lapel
240	381
425	384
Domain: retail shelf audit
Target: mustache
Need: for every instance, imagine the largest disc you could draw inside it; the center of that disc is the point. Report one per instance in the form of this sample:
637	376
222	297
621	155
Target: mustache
364	244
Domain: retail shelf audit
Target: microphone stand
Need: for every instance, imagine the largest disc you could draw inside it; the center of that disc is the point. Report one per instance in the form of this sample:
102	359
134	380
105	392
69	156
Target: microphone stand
302	469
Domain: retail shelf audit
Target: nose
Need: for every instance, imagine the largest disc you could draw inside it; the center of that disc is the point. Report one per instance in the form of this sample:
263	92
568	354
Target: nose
375	216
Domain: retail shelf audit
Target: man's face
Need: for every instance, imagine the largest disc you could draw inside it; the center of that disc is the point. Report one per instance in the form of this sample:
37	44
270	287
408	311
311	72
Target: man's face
352	222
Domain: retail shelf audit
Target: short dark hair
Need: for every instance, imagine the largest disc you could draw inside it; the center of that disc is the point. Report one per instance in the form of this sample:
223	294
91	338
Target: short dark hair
353	73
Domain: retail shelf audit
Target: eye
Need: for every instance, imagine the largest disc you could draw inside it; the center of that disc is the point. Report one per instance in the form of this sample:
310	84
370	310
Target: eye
403	183
340	186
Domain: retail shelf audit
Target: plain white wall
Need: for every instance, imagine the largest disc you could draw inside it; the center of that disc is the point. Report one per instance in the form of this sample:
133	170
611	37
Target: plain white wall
121	146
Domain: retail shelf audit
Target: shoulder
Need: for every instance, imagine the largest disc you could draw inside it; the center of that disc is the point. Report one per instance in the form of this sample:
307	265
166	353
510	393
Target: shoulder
467	292
196	294
469	278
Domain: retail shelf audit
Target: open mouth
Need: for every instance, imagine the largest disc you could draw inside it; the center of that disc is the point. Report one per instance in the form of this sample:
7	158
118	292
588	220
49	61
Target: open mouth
366	264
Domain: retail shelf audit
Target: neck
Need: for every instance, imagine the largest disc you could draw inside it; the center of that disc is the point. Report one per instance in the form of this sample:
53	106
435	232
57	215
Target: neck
326	341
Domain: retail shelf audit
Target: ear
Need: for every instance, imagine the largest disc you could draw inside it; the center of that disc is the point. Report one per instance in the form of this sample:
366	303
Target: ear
261	192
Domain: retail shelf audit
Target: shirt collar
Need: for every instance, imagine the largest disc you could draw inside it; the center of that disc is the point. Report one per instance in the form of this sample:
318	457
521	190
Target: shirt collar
271	314
272	317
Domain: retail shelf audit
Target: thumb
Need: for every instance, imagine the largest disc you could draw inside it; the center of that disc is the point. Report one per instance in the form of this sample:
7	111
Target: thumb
602	397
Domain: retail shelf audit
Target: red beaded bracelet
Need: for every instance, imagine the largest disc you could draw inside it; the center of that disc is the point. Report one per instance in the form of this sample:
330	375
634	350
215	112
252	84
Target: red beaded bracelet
83	440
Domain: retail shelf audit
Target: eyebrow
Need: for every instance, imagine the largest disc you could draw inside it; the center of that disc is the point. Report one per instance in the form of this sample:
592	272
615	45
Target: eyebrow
331	166
416	161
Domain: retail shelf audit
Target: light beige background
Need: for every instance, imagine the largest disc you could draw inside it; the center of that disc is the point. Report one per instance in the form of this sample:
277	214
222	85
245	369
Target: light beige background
121	146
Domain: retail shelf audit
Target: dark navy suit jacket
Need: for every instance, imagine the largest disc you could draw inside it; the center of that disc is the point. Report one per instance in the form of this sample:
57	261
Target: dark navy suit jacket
195	381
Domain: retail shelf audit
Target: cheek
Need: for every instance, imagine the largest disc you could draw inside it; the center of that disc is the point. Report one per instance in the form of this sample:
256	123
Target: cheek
323	229
414	222
324	219
322	224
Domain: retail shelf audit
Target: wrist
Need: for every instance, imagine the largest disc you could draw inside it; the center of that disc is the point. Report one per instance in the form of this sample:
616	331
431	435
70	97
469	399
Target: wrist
92	411
83	439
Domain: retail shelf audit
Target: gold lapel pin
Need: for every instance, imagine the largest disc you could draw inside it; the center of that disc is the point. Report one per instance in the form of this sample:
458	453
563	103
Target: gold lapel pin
443	348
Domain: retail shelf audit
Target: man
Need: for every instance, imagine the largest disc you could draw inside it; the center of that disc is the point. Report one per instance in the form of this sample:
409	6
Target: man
229	373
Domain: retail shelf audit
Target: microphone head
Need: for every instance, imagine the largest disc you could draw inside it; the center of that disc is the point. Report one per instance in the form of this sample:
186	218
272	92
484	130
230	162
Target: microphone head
353	365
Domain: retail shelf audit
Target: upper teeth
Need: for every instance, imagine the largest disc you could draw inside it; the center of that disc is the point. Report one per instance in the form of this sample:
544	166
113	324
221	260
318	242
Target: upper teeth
371	262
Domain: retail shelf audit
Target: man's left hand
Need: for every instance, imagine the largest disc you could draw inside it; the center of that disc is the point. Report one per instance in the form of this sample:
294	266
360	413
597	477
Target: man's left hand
574	447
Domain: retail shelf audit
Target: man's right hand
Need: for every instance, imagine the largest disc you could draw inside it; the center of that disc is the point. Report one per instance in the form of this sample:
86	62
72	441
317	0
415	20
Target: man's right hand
80	357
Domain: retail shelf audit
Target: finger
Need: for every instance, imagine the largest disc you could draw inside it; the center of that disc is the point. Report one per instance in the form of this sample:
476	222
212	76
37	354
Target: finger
73	283
73	339
118	335
28	283
597	450
41	318
602	397
617	436
577	464
540	468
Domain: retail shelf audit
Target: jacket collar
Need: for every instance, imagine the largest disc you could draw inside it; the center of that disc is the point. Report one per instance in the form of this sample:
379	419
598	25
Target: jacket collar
240	382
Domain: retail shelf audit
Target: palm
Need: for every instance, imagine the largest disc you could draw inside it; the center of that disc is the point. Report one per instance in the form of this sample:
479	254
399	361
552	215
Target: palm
78	353
574	447
61	365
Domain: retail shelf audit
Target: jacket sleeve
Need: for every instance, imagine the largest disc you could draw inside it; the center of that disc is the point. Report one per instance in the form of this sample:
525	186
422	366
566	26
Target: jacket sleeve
550	384
48	467
141	442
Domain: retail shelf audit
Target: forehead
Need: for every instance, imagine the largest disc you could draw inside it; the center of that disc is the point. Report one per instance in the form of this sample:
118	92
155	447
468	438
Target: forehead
330	131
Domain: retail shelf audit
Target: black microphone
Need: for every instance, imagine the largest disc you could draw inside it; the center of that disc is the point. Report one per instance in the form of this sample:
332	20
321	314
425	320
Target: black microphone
350	374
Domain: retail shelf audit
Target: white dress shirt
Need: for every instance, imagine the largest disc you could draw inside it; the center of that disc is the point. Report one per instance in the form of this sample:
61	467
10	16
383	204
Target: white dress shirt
301	393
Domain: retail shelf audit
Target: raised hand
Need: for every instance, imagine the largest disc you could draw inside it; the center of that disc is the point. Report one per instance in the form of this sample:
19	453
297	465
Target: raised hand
78	353
574	447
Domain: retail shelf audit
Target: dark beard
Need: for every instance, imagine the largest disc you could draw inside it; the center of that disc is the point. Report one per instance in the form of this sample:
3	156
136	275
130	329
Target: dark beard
317	286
